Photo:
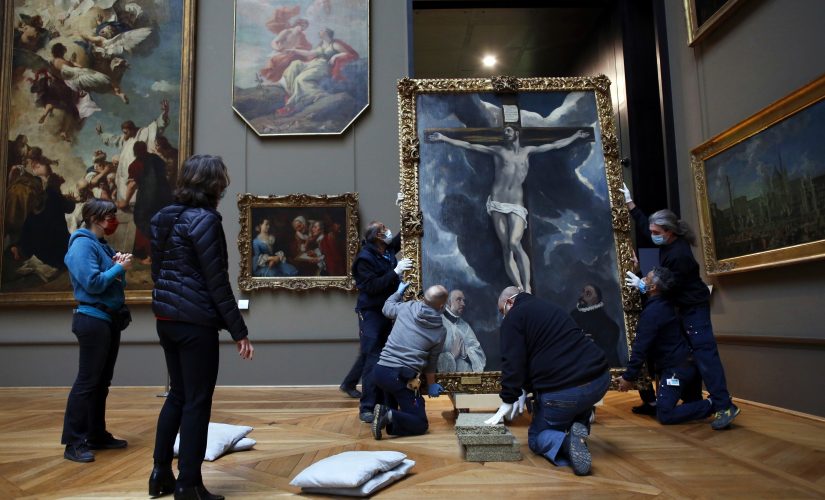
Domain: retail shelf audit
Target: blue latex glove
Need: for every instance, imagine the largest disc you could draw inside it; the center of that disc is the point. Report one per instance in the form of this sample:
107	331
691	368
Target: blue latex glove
434	390
401	287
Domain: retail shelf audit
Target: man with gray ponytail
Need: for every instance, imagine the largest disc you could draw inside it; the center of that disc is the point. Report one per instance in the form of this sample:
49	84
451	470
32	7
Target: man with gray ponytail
692	298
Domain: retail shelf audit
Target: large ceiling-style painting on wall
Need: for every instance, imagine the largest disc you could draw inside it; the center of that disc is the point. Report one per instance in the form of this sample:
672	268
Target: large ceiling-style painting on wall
91	91
301	67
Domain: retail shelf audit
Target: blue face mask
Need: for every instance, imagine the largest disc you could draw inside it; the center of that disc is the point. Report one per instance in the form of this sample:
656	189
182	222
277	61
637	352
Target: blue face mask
643	286
658	239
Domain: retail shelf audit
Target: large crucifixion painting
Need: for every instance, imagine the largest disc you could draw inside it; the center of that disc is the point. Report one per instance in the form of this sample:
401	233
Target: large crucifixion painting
515	188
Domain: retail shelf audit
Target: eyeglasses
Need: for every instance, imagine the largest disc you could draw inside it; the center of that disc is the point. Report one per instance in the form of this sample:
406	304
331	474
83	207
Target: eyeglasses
110	217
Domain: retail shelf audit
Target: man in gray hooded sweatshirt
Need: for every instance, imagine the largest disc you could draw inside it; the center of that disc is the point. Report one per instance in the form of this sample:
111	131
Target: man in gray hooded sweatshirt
416	340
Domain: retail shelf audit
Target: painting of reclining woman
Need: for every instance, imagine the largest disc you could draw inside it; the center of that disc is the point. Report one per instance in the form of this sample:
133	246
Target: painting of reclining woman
301	67
97	100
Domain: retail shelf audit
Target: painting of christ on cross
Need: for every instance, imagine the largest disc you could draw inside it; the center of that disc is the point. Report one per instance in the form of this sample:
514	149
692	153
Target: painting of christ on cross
513	189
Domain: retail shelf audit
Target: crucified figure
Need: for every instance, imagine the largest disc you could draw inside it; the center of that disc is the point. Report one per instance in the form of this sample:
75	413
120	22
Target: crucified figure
505	204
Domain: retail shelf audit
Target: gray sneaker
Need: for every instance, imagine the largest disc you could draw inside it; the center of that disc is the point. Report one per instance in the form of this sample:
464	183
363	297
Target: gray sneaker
577	451
723	418
366	417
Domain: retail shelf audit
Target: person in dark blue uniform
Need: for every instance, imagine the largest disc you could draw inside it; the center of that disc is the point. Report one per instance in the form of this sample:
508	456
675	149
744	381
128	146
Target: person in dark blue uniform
692	298
377	274
659	338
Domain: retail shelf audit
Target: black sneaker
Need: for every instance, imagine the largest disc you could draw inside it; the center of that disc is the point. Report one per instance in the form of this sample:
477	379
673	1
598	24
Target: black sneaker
78	453
577	451
350	391
644	409
723	418
107	442
379	421
366	417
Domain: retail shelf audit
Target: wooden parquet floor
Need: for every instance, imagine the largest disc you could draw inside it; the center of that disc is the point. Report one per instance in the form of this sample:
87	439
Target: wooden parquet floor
768	454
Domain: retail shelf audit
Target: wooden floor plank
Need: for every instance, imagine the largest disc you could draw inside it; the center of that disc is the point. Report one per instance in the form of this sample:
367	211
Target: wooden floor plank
768	454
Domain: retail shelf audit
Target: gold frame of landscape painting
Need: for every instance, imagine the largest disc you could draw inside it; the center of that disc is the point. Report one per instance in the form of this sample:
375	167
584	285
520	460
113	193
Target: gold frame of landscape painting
760	186
71	77
712	16
297	241
573	215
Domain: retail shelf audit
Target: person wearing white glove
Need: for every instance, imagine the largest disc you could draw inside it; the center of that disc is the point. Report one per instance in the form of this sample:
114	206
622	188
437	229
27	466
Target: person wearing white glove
377	275
403	265
543	350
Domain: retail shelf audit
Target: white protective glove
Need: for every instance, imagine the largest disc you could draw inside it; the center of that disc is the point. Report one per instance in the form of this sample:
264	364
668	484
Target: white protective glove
626	193
518	406
632	280
403	265
503	410
399	198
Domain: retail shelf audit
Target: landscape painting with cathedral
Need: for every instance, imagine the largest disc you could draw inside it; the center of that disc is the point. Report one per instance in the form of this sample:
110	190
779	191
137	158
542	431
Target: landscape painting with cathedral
96	102
763	197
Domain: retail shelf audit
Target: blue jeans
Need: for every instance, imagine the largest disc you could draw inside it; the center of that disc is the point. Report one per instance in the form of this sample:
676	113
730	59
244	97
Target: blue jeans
668	396
85	417
408	415
373	330
696	322
354	374
554	413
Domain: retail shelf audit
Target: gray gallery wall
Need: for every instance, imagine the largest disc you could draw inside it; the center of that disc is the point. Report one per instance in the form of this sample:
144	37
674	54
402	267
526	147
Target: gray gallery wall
299	338
763	52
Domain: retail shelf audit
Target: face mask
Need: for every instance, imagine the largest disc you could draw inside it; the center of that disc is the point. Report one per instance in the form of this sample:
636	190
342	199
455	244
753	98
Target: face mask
223	193
643	287
658	239
110	227
387	237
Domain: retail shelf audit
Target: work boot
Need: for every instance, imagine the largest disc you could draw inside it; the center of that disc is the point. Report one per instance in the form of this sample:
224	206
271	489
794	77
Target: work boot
379	420
107	442
576	447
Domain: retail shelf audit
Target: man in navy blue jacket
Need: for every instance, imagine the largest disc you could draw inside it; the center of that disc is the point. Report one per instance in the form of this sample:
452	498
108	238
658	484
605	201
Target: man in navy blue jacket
544	351
377	274
659	338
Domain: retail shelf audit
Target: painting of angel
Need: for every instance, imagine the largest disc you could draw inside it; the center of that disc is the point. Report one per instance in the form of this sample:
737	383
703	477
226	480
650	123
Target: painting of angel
97	102
305	69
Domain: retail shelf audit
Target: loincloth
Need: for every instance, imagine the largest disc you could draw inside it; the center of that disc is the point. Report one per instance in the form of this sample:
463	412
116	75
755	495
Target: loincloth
506	208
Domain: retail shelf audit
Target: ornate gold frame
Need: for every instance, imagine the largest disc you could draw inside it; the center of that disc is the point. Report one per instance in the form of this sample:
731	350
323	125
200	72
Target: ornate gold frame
246	202
412	225
696	31
184	145
776	112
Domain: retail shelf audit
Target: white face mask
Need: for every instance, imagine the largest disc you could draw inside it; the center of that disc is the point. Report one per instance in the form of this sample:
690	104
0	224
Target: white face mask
387	237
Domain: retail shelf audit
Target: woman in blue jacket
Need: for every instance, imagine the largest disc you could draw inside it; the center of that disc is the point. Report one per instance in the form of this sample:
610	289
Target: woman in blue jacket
98	276
192	301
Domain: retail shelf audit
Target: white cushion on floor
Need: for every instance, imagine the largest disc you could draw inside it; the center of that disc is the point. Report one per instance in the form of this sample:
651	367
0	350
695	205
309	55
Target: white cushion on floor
348	469
380	480
244	444
221	438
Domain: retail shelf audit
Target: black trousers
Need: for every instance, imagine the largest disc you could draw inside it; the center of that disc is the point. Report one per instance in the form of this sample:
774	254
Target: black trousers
192	359
85	418
354	375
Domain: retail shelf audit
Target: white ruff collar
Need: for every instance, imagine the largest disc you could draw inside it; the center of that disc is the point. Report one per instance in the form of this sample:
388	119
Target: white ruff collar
590	308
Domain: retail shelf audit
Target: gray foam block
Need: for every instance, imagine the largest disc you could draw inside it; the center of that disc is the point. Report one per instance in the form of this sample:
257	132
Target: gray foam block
479	439
473	423
493	453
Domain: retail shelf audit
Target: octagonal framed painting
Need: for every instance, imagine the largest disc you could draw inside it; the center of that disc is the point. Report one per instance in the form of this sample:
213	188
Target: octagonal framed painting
301	67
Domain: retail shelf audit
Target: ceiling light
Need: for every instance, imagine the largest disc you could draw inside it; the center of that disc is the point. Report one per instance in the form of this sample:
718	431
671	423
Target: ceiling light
489	61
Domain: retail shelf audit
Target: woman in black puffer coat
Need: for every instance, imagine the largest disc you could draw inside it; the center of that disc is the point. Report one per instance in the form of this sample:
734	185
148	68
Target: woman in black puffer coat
192	300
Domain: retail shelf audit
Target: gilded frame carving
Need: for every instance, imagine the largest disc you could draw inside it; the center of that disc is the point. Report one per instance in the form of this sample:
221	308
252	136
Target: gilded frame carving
413	220
137	293
697	30
735	158
345	208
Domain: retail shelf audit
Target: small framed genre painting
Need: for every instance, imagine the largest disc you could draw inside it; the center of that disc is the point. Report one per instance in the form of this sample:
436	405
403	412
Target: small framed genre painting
95	101
298	241
705	15
301	67
760	186
515	182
